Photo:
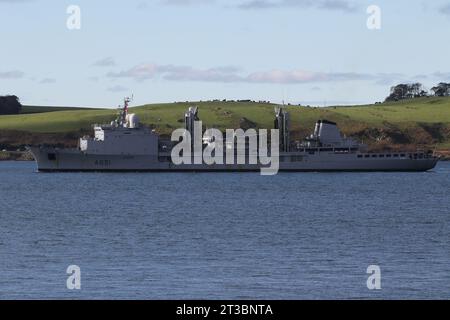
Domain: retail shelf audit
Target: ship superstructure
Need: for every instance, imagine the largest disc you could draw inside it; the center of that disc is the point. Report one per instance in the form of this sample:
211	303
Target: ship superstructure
126	145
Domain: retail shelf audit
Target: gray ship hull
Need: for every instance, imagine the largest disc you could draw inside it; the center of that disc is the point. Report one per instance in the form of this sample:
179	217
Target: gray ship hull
67	160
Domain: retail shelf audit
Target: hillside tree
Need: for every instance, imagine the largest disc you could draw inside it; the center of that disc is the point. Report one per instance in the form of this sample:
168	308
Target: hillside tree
441	90
406	91
10	105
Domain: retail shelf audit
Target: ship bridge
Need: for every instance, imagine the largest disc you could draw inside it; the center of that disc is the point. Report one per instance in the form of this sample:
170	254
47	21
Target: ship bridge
127	138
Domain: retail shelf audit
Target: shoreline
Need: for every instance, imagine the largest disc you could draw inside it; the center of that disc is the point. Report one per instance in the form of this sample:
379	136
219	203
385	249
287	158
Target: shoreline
16	156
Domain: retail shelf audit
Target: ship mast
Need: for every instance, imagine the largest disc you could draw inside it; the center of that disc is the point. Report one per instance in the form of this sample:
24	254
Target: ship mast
126	103
123	112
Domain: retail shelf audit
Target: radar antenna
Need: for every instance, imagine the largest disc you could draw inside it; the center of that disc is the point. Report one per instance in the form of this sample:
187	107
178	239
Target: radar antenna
123	111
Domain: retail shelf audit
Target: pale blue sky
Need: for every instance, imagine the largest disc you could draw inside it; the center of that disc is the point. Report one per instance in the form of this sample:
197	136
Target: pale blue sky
318	52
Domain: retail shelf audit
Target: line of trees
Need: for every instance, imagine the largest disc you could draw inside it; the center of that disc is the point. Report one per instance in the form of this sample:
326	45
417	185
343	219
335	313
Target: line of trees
441	90
415	90
10	105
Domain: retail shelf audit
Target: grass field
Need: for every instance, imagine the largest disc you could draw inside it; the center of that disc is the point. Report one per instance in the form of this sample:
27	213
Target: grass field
416	118
40	109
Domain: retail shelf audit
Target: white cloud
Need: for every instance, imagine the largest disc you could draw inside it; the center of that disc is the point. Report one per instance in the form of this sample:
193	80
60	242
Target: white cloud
139	72
186	2
15	1
13	74
231	74
445	9
105	62
47	81
334	5
117	88
178	73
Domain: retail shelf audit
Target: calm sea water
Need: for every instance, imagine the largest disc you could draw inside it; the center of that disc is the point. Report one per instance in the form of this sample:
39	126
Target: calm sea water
224	235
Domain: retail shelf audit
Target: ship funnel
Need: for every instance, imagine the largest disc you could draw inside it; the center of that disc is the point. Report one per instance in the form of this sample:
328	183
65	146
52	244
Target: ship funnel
282	123
328	133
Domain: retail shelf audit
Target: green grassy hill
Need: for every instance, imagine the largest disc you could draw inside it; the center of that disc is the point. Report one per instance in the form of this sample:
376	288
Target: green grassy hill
424	121
40	109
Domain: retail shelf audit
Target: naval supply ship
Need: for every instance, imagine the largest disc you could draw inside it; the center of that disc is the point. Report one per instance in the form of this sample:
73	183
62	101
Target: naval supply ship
126	145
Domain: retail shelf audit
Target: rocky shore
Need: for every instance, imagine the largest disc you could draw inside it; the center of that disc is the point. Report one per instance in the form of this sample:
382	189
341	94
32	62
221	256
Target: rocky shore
16	156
